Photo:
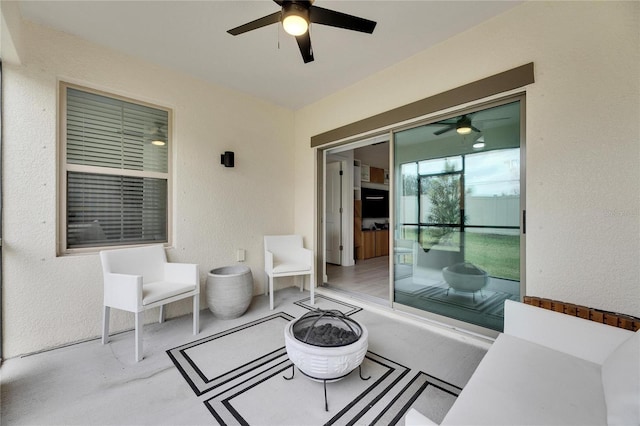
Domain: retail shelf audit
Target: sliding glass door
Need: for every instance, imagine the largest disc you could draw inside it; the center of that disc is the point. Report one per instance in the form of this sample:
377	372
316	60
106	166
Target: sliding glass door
458	204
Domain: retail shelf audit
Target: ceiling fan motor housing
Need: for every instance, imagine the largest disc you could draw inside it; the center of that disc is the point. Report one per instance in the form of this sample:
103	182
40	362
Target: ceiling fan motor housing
294	10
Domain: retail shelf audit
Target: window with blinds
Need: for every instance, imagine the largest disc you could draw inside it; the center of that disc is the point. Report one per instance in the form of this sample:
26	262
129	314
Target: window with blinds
116	171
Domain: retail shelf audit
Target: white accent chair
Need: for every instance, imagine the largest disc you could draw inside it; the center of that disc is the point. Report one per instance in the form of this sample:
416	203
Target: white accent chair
284	256
140	278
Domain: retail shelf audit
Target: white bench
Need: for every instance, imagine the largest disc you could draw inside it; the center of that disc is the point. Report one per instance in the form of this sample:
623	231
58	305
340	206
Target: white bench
548	368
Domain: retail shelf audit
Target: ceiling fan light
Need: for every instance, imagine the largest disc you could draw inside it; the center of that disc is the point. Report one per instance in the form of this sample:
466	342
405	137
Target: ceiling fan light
295	19
463	126
158	142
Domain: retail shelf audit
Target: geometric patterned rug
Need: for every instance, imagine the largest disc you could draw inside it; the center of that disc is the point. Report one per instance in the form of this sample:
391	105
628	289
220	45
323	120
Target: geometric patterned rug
239	375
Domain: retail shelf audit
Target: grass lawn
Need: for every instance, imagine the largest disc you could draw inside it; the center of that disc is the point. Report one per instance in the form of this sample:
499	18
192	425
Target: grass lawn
497	254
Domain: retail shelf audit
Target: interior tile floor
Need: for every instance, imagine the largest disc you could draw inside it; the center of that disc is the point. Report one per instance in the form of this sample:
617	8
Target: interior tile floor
368	277
94	384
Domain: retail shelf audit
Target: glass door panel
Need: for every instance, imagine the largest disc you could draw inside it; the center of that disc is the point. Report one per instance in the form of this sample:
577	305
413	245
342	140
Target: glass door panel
457	215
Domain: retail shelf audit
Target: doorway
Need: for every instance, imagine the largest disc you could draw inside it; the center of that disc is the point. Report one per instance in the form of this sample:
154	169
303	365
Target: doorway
357	220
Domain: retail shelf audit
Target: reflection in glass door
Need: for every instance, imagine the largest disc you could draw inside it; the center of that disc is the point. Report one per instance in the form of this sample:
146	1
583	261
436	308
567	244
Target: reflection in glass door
457	215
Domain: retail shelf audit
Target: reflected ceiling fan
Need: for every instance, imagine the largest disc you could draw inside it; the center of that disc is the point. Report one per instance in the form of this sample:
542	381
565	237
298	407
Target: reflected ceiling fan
297	15
462	125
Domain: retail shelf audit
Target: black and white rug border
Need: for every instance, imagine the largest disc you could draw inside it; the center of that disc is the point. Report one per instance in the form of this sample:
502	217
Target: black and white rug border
243	378
222	408
202	384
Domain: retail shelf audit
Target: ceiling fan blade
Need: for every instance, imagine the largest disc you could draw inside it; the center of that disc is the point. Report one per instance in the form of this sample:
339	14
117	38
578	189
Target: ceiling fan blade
445	130
490	119
332	18
304	43
475	129
258	23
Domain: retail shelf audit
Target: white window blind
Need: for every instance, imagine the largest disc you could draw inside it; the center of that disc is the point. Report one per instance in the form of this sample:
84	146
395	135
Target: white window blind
116	171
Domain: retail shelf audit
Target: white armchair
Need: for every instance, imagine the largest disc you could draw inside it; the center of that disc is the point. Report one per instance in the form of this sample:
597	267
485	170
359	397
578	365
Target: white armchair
140	278
285	255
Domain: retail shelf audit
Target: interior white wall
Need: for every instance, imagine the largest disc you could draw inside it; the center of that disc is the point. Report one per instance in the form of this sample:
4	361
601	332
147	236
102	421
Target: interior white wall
582	137
49	300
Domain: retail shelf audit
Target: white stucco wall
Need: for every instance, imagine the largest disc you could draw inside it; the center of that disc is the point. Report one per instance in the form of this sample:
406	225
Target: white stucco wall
48	300
583	137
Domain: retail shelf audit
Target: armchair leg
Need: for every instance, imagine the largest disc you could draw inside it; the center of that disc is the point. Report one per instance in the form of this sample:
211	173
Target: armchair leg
301	278
271	293
196	314
139	325
266	284
105	324
161	314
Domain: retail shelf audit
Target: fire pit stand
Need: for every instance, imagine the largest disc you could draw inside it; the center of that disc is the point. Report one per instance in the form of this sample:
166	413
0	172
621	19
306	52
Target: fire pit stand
324	381
326	346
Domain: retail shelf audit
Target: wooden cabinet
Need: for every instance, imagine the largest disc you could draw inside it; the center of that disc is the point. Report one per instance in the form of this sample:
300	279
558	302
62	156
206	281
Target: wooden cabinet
376	175
373	244
382	242
372	174
368	244
357	228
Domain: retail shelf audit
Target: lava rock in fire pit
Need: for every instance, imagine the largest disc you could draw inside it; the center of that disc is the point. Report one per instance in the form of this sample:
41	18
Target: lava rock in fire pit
326	335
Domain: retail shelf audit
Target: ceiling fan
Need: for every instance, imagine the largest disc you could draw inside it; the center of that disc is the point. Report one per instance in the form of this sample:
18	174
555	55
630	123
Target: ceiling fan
296	15
462	125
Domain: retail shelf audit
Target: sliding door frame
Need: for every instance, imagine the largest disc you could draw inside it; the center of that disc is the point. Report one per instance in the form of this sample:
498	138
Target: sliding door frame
500	88
1	225
520	97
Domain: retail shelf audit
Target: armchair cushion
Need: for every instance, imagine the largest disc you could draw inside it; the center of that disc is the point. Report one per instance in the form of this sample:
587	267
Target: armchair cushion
290	267
159	290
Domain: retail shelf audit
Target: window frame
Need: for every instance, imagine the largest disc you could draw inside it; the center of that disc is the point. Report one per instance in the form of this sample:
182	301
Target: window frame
62	248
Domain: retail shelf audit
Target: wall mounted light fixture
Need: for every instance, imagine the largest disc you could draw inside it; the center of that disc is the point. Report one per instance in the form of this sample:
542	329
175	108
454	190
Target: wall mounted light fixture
227	159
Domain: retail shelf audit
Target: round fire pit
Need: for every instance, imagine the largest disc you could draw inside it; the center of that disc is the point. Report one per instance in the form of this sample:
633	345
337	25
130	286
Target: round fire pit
326	345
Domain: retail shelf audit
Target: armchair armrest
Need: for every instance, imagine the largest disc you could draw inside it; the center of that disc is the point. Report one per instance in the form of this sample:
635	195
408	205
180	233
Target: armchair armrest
310	260
268	261
582	338
123	291
301	255
182	273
